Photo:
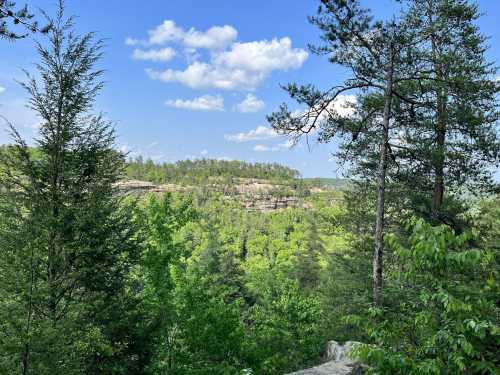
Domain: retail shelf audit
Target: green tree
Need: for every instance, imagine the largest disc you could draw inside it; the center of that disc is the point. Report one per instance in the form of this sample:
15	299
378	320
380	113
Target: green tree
286	331
444	316
160	218
10	16
377	56
449	143
67	245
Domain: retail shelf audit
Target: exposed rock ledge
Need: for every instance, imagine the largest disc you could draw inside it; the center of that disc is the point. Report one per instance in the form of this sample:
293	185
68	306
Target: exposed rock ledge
338	363
255	196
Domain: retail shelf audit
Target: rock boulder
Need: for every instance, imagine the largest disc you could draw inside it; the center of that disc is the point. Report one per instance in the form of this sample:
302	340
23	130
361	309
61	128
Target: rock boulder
338	361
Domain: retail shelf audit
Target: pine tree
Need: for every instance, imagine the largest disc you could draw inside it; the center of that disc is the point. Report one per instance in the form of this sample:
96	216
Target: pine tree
67	245
11	16
450	144
377	56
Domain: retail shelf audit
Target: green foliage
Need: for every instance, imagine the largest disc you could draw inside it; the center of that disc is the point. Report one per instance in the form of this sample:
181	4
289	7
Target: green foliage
206	170
219	288
152	284
13	17
442	316
286	328
67	243
209	331
192	283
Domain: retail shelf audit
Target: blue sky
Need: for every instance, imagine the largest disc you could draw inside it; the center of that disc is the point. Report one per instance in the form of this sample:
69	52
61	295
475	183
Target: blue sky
196	78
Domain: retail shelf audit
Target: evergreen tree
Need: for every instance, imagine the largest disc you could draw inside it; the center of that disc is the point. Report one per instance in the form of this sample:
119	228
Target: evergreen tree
449	145
11	16
67	245
377	55
309	254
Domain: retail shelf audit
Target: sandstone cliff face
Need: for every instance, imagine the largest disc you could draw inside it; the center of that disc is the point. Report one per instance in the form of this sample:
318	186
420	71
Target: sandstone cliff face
338	361
253	195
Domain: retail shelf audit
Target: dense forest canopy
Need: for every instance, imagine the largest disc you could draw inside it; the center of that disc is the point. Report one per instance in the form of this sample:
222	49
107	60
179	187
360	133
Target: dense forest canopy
190	281
200	170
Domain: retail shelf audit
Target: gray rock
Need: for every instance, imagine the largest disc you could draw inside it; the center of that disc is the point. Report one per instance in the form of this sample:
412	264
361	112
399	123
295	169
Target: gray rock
333	368
337	352
339	361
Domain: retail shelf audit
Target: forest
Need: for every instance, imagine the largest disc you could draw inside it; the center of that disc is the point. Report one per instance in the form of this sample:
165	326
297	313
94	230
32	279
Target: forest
403	257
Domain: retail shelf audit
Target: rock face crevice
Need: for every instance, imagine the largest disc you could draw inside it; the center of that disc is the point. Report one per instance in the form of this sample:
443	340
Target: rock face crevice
338	361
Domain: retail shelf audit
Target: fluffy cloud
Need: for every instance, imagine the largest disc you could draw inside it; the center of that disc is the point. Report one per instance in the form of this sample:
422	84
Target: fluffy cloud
343	105
263	56
164	54
200	75
281	147
132	42
288	144
243	67
216	37
262	148
259	134
250	104
202	103
2	89
229	65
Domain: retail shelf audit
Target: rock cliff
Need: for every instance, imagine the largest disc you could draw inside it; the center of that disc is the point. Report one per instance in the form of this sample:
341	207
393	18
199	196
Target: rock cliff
253	194
337	362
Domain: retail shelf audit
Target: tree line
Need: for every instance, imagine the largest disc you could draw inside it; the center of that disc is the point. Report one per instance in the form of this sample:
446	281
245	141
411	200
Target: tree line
199	171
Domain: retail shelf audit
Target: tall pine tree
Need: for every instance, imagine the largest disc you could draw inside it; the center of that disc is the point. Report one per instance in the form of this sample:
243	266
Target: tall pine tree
67	244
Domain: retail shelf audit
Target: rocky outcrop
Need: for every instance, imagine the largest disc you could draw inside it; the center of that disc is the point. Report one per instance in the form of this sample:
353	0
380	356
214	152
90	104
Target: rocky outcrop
269	203
255	195
333	368
338	361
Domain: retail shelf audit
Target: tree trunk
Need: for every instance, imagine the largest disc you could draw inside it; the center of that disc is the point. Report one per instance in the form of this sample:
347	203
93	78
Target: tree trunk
440	128
440	136
382	171
27	345
438	195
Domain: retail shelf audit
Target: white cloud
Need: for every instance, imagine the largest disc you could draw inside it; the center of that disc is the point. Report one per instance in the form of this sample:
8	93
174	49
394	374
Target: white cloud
262	148
164	54
204	152
281	147
15	112
288	144
258	134
244	66
216	37
263	56
132	42
166	32
153	144
2	89
343	105
36	125
250	104
202	103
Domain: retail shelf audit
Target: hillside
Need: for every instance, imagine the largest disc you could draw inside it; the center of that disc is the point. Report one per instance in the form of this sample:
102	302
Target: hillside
257	186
